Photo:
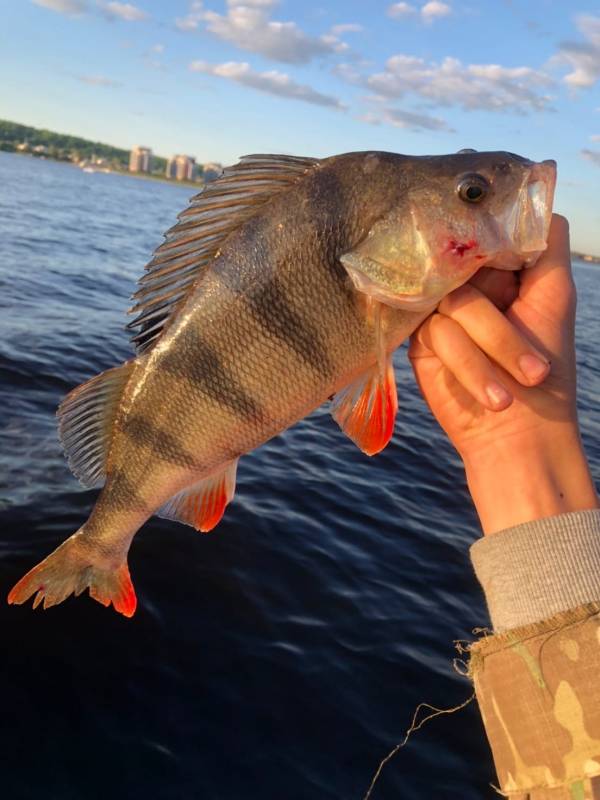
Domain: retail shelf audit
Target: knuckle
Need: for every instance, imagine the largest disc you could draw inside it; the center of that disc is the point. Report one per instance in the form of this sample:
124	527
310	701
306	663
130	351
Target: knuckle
436	324
471	363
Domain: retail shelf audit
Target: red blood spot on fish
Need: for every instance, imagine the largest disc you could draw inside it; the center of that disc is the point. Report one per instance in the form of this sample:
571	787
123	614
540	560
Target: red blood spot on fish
460	248
480	257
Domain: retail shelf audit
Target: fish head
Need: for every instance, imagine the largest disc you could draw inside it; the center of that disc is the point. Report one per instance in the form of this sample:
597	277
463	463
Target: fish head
458	213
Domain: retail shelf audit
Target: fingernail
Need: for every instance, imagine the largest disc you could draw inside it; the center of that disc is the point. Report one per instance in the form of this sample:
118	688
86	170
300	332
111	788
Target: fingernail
497	394
533	367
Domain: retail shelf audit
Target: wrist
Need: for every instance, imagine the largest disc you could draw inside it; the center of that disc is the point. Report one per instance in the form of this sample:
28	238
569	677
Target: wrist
522	478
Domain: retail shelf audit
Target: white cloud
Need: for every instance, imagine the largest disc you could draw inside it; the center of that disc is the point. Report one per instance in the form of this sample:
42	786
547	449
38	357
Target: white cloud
253	3
428	12
349	73
401	10
487	87
71	7
271	82
592	155
595	137
193	18
158	48
98	80
582	57
409	120
124	11
346	27
434	10
248	26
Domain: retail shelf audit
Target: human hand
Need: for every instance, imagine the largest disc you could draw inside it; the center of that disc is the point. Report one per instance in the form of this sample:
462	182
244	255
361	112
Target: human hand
496	364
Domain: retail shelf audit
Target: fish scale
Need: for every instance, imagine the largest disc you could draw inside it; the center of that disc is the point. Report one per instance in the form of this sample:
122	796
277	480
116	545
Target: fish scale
286	282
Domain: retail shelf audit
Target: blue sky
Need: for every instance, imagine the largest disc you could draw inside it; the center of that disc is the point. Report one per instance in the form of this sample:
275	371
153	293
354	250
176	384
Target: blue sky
219	79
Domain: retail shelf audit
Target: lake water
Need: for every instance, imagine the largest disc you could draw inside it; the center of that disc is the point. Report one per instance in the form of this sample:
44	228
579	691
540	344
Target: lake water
280	657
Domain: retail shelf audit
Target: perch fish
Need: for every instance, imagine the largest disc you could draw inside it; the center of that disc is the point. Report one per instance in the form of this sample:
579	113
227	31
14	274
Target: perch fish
287	281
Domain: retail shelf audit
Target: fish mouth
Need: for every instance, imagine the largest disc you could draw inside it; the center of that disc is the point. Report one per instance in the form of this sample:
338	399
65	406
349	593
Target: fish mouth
535	219
526	223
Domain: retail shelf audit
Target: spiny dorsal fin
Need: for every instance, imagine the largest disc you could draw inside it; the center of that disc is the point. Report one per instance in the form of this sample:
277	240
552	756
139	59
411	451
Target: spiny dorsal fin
85	422
190	245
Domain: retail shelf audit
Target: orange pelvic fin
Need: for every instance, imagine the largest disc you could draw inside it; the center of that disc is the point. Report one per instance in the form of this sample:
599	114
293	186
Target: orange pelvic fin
366	409
71	569
202	505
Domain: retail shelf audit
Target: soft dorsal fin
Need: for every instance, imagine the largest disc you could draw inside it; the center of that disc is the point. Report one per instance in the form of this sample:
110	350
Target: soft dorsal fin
190	245
86	419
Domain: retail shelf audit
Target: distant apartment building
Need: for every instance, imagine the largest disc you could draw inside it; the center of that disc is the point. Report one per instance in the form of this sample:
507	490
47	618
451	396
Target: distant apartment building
182	168
140	159
171	170
211	171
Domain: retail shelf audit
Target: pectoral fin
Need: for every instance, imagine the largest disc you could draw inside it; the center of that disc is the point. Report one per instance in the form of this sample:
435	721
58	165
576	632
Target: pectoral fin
366	409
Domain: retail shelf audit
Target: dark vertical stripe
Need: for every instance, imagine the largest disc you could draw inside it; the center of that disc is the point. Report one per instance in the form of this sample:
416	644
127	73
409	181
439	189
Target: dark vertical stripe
197	362
272	310
162	443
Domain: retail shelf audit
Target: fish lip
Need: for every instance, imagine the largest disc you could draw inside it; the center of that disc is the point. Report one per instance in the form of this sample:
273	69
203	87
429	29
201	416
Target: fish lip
535	217
527	223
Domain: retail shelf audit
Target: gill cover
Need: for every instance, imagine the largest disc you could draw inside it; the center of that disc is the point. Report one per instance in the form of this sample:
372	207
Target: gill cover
414	256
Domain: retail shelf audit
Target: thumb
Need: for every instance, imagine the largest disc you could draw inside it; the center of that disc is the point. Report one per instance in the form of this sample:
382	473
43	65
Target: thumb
550	281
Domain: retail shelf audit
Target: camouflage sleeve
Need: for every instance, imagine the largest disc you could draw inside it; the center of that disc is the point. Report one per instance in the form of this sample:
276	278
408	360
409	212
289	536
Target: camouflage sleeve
538	681
538	689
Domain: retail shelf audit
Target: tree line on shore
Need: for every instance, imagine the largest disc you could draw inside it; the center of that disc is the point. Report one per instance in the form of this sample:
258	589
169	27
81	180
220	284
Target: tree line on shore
15	137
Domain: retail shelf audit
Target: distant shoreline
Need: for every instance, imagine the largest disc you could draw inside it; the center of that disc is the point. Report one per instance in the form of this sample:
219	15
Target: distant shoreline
147	176
589	259
83	153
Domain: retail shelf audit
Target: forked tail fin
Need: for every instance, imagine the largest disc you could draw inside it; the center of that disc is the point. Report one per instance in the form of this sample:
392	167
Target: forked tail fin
72	568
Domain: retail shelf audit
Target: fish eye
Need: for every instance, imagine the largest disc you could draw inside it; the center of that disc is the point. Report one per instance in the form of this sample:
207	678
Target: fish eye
473	188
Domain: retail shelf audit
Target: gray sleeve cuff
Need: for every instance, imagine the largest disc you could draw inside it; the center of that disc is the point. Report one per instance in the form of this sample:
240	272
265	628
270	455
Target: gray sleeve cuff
538	569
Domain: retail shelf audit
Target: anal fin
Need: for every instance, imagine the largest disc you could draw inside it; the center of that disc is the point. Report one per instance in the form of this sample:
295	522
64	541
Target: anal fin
366	409
202	505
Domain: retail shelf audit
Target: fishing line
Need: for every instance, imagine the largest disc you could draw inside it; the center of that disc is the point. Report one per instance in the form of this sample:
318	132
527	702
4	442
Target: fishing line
415	726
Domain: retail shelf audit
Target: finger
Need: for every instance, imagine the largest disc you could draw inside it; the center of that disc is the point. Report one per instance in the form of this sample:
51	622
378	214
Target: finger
417	347
551	277
460	355
493	333
499	285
